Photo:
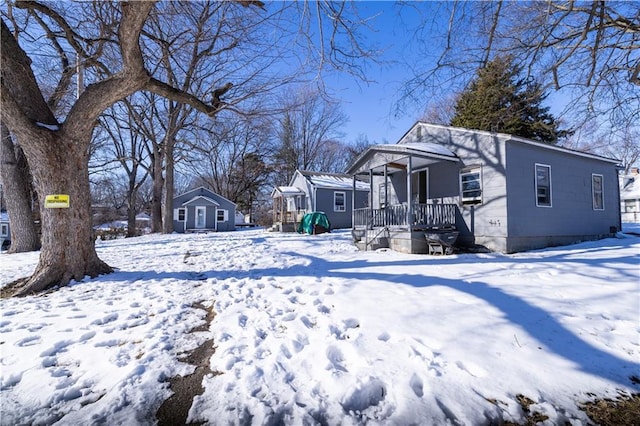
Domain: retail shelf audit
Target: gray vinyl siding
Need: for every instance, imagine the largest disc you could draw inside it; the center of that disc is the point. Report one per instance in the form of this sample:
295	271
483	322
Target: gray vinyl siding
571	217
339	219
211	211
321	200
508	219
485	223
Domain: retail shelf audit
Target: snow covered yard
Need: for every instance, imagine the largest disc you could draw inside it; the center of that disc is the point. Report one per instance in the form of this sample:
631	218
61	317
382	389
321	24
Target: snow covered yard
310	331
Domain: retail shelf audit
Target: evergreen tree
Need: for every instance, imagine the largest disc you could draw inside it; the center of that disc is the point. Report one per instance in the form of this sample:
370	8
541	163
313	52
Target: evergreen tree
498	100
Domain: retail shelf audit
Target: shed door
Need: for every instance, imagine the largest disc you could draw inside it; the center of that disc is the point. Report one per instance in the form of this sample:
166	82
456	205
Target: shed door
201	217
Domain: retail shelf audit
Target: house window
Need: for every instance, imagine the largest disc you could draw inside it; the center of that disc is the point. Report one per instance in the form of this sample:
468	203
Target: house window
630	206
4	230
597	192
543	185
339	201
471	186
222	215
180	214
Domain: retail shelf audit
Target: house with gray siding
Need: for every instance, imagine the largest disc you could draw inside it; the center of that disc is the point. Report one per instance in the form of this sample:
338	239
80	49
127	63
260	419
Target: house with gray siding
202	210
5	230
333	194
630	196
503	192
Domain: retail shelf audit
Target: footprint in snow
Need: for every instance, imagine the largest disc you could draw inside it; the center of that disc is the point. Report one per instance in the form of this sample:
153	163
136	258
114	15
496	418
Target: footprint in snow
106	319
28	341
416	385
242	320
384	336
368	394
336	358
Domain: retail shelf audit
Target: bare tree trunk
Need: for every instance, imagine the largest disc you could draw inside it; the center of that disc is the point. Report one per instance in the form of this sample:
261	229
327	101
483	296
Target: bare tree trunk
167	222
131	207
68	251
15	183
158	184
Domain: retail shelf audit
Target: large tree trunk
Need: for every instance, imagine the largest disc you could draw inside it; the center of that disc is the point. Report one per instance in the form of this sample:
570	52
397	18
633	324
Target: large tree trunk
68	250
14	174
157	188
58	155
167	221
131	209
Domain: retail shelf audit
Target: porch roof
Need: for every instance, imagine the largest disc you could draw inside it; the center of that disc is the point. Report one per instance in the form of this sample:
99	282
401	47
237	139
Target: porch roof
286	191
396	157
201	200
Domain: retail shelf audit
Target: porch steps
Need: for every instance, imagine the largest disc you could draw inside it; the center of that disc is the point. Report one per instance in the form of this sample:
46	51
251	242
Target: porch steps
370	239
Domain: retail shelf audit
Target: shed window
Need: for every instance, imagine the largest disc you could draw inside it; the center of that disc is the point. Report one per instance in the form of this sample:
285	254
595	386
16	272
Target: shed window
4	230
222	215
339	201
597	192
543	185
471	186
180	214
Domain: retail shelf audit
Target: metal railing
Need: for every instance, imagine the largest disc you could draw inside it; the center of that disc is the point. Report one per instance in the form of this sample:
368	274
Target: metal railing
423	215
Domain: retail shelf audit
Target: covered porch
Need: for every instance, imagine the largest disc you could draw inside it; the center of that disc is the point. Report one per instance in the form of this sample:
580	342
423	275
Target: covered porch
287	208
412	192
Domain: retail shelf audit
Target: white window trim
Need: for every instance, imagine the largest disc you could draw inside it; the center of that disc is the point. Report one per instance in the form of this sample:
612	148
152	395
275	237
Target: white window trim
593	193
177	214
225	215
535	172
344	199
471	170
4	230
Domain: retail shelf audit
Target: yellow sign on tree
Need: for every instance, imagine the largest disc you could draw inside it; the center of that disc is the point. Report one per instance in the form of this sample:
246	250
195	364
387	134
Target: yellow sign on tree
56	201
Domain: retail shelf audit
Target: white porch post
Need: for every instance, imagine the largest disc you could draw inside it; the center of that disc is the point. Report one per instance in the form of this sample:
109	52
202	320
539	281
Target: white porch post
353	204
370	197
409	192
384	213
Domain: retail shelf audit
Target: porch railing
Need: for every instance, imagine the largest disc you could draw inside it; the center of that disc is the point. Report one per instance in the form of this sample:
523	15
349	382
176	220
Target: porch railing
289	217
423	216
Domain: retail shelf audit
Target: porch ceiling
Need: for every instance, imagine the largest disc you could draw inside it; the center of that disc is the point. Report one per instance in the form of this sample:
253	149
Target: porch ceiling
396	158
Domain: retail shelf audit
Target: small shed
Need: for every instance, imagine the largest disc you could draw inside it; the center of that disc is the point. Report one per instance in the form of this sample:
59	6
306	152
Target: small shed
201	210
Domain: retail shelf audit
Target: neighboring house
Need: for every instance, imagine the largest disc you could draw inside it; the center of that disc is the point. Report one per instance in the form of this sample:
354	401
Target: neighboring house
630	196
5	230
308	192
499	191
203	210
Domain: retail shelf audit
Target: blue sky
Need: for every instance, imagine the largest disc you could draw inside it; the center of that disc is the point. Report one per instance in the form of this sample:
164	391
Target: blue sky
371	106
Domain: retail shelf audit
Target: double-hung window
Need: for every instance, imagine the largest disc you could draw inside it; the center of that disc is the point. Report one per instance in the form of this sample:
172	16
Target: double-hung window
597	191
222	215
543	185
471	186
339	200
180	214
